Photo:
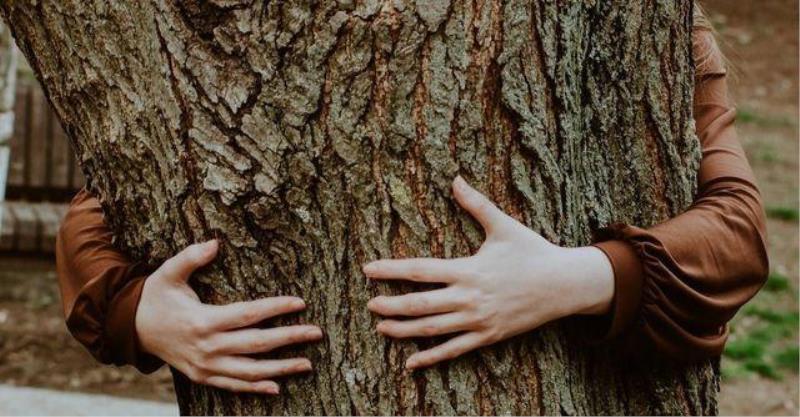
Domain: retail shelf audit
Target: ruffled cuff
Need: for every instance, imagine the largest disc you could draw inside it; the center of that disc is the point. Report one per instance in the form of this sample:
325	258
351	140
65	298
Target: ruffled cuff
628	282
121	329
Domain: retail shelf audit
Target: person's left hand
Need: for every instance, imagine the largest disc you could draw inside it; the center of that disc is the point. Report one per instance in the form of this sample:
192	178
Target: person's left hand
516	282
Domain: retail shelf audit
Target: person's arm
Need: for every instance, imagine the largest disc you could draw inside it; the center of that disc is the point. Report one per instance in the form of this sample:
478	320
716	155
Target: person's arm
100	287
516	282
679	282
125	316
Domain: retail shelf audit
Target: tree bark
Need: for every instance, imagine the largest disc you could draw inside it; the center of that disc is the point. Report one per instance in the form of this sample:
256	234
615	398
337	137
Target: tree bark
314	136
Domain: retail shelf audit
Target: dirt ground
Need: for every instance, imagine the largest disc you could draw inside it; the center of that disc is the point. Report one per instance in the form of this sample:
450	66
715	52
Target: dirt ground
760	39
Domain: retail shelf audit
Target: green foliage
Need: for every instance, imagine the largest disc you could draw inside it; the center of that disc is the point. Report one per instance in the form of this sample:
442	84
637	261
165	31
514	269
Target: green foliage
789	358
747	348
748	115
783	213
763	368
777	283
784	320
765	152
761	349
733	370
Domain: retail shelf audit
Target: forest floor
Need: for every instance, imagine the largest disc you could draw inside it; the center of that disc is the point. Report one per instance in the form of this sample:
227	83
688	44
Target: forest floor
760	365
760	39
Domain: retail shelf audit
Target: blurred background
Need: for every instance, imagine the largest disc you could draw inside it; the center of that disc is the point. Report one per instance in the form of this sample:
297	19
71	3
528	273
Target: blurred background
759	366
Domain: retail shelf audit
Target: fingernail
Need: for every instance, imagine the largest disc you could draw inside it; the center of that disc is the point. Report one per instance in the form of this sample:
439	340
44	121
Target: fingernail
298	304
304	366
368	268
411	363
459	181
210	245
371	304
273	388
314	333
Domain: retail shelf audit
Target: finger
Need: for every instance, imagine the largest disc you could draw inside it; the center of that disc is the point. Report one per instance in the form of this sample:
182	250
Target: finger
418	304
425	327
264	340
478	205
237	385
451	349
246	313
415	269
249	369
180	267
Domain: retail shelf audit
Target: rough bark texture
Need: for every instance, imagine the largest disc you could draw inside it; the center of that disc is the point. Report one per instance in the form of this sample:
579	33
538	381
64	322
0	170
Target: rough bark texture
8	83
312	136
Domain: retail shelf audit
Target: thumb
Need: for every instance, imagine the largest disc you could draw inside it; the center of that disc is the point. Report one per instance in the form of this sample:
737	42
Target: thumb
181	266
478	205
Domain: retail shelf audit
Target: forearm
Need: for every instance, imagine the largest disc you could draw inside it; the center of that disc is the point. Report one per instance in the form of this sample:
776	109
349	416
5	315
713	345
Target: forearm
688	276
100	287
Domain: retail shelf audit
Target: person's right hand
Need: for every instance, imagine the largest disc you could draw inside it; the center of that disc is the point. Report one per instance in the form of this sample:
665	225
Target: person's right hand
208	343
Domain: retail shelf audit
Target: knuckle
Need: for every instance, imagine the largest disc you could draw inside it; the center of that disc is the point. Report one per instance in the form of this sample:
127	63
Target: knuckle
417	306
389	328
250	373
249	314
206	347
482	320
430	330
415	274
198	325
485	318
429	359
202	367
491	337
483	205
197	375
446	354
471	300
261	344
296	335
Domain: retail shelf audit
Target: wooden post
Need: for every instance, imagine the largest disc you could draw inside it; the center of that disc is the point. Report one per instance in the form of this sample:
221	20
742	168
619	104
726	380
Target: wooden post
8	80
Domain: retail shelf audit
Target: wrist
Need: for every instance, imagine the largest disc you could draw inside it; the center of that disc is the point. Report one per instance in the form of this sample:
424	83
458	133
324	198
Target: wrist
139	322
593	277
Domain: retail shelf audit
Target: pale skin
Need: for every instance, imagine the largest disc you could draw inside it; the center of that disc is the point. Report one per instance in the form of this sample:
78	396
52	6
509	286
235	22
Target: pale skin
516	282
209	343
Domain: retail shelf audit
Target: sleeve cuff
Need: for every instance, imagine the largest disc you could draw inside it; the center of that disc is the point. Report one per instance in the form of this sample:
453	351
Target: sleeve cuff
628	279
121	329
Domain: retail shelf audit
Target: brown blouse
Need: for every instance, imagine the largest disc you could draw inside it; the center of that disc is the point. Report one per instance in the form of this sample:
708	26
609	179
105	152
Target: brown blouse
677	284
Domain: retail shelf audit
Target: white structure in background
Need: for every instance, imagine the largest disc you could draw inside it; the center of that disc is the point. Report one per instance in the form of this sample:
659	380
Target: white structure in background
21	401
8	82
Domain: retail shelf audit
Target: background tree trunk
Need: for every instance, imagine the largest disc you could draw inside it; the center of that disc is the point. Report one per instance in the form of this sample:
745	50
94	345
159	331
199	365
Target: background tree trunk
313	136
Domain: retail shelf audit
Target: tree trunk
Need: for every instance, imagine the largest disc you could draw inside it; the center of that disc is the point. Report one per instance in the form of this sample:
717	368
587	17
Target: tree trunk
314	136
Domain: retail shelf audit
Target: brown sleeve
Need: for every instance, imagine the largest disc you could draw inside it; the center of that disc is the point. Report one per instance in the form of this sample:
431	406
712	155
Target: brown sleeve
678	283
100	287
